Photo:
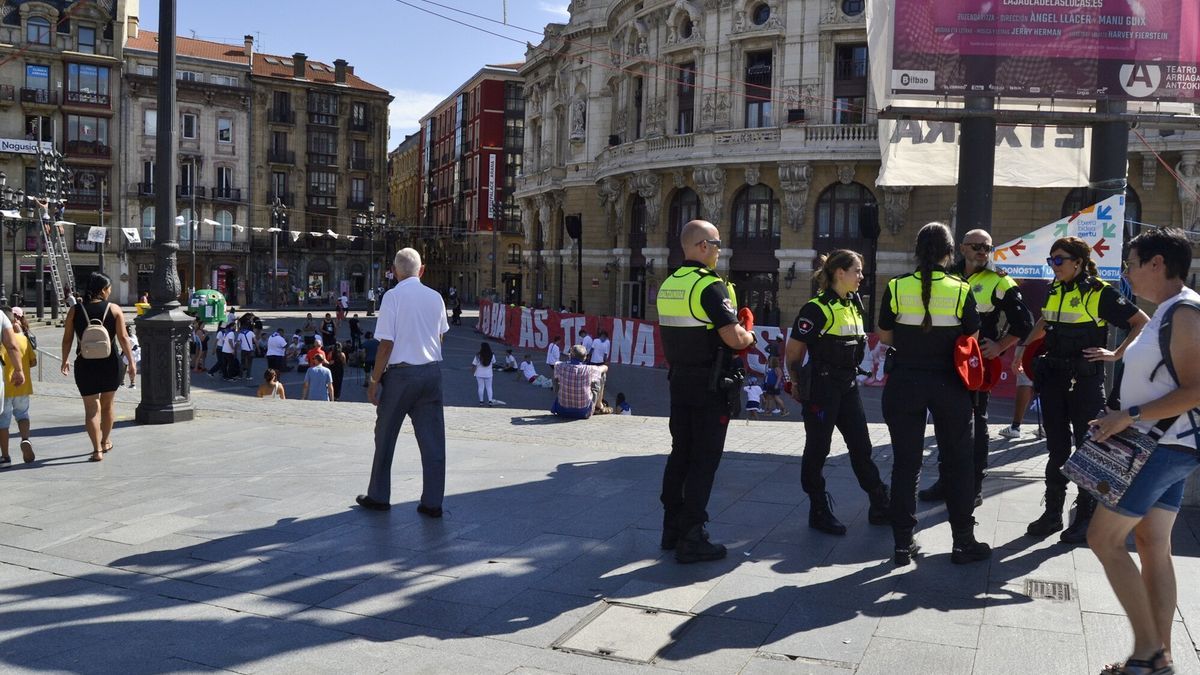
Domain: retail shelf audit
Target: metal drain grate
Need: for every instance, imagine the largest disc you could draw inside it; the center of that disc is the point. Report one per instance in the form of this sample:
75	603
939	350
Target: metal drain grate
1058	591
624	632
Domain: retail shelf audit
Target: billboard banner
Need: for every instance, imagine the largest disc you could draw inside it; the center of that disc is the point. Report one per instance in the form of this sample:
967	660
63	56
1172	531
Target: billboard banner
1101	225
1086	49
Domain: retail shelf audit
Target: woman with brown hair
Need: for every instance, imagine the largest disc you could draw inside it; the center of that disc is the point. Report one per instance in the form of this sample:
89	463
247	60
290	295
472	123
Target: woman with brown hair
98	377
828	332
1069	374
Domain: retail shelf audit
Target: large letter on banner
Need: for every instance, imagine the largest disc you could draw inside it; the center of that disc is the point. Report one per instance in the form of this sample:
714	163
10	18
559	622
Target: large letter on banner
1101	225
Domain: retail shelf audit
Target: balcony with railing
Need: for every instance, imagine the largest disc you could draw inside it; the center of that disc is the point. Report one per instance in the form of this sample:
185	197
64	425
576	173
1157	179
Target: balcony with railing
189	191
86	201
281	116
145	189
322	159
322	201
322	119
358	203
39	96
227	194
86	98
361	125
361	164
206	245
275	156
285	198
77	149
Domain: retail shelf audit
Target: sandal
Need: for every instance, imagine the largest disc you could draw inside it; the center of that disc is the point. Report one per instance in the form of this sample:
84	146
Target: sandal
106	447
97	456
27	455
1134	666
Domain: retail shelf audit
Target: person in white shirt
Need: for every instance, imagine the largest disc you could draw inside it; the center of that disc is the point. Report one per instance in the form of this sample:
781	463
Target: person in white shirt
510	362
245	346
484	362
407	382
600	349
276	350
554	351
753	397
528	371
229	352
587	341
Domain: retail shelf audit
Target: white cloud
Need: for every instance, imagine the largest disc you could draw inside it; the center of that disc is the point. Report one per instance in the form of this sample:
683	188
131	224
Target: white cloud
559	9
406	111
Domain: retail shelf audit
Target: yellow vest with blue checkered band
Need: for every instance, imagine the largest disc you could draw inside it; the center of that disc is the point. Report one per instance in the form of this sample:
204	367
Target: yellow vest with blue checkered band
947	298
679	297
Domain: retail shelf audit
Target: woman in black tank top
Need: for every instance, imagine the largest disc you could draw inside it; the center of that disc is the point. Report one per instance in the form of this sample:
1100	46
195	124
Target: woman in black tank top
97	379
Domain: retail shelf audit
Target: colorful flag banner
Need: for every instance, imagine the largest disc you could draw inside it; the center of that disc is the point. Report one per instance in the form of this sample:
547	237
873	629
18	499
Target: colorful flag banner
1101	225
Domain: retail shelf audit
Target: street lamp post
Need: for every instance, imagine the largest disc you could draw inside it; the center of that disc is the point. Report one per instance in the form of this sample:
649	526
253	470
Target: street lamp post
373	227
278	219
10	201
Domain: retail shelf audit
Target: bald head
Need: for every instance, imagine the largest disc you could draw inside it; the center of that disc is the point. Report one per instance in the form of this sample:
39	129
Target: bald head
695	232
977	236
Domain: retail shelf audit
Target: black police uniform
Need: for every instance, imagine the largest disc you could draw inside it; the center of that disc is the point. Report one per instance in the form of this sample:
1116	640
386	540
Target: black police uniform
923	379
996	295
699	415
1071	388
832	329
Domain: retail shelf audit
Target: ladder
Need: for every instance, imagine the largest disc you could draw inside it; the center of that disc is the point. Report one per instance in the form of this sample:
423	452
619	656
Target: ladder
55	244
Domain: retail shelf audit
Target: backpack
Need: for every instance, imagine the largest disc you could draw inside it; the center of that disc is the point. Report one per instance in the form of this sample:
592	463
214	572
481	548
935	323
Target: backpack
95	342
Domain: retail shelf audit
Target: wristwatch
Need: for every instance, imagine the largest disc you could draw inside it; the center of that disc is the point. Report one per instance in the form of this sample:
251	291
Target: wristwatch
1135	412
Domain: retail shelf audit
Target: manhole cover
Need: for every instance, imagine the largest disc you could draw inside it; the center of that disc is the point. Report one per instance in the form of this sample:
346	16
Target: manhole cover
624	632
1059	591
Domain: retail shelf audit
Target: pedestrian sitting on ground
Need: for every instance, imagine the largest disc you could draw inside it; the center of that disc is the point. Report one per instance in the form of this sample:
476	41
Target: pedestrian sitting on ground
271	386
579	387
754	394
1160	382
510	362
622	407
531	374
16	397
318	380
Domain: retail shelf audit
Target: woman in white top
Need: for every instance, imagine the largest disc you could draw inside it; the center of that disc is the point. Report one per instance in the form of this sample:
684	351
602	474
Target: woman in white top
483	363
1152	390
271	386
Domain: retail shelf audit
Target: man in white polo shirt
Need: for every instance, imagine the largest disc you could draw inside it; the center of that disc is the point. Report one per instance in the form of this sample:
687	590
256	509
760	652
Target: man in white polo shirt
407	381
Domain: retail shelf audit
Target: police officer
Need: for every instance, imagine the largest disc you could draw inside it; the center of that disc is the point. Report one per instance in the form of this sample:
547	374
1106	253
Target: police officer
1069	374
697	321
996	295
829	331
923	315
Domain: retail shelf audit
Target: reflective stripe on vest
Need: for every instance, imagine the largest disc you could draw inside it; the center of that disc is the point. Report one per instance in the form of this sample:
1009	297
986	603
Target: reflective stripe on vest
984	286
679	298
1074	306
947	297
841	319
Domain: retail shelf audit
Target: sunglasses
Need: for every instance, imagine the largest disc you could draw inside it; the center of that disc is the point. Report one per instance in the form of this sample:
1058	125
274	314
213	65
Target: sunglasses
981	248
713	242
1059	259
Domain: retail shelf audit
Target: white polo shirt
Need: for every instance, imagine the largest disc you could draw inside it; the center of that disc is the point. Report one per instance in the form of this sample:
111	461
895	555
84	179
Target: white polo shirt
413	318
276	345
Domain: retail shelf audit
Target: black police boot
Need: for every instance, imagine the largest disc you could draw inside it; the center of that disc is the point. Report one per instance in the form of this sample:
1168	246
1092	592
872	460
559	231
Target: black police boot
1051	520
933	493
820	515
967	549
694	546
906	548
1085	506
670	532
877	513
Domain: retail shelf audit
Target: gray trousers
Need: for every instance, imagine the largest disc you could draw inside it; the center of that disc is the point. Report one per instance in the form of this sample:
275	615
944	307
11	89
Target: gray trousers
414	391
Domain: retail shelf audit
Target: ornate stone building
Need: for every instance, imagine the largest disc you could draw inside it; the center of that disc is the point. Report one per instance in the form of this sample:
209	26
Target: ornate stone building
404	183
643	114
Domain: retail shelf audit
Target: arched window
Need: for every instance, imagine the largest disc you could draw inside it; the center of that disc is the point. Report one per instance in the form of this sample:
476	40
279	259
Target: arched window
37	31
756	216
1077	199
837	213
685	206
224	228
186	226
148	224
637	224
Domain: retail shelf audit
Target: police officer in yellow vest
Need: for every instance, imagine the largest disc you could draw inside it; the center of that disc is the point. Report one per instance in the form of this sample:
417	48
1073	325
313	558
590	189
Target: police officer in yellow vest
697	320
1069	375
922	316
996	295
829	332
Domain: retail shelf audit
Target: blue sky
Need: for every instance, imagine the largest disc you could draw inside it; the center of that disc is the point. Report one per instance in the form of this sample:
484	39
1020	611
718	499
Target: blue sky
419	58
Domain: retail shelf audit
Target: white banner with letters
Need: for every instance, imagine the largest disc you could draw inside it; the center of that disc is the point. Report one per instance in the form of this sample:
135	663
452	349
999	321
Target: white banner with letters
1101	225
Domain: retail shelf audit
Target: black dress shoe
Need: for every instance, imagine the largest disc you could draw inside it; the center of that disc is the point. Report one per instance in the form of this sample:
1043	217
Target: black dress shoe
368	503
430	511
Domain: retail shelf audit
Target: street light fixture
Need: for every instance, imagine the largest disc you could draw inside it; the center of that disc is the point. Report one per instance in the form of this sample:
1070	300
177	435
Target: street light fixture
278	222
10	211
373	227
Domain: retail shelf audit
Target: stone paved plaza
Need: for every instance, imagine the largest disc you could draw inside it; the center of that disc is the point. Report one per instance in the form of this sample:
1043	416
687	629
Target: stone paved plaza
231	543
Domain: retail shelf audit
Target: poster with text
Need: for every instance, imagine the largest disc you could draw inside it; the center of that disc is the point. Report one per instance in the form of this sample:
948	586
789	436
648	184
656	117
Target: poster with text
1101	225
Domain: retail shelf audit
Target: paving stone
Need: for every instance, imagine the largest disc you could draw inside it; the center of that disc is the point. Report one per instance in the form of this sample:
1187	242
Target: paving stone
887	656
1005	649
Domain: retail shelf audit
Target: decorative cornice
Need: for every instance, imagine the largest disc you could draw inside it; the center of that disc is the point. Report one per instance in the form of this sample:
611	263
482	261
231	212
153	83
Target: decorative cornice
895	205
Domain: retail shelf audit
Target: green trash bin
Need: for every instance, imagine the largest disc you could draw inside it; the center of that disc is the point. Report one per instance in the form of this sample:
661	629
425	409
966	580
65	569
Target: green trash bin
208	306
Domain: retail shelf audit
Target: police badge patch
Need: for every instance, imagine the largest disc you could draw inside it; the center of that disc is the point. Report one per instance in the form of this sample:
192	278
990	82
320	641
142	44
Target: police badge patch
1074	302
804	326
977	288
